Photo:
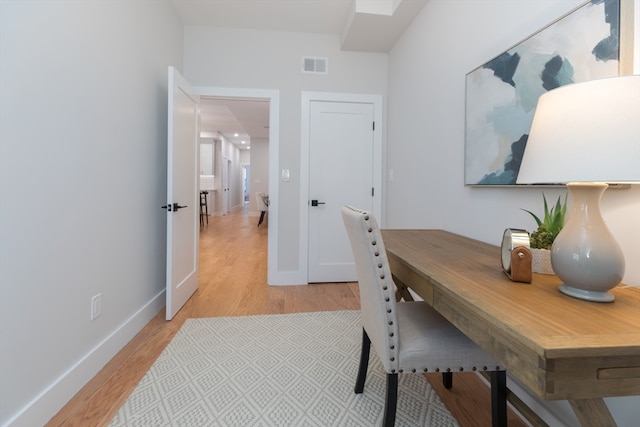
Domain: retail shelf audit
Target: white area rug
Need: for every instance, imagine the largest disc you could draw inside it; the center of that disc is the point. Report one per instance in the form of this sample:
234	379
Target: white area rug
273	370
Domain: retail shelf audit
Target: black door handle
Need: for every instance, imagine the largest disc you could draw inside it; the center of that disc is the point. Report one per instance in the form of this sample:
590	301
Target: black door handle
173	208
316	203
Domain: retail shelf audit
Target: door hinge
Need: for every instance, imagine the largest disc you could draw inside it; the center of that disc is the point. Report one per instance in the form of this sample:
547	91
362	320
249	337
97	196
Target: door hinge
374	126
372	192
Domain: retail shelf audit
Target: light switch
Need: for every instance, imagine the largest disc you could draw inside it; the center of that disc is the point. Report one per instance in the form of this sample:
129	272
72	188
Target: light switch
285	175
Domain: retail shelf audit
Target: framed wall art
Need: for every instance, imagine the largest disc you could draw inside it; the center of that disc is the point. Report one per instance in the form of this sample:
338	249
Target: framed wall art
501	94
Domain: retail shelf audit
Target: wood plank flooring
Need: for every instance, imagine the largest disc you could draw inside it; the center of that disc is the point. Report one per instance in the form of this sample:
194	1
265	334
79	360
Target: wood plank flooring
233	282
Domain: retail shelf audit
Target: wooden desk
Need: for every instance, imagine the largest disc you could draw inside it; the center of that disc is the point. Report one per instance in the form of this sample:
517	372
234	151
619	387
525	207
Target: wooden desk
560	347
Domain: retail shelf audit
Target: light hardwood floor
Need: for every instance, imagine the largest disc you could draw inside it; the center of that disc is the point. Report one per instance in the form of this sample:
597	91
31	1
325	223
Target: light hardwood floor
233	272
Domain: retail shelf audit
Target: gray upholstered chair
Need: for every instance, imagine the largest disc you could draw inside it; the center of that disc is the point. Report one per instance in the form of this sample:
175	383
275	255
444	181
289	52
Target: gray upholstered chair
263	206
409	337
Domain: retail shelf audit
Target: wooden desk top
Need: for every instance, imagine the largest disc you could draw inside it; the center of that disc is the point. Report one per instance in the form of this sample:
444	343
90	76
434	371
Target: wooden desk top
560	347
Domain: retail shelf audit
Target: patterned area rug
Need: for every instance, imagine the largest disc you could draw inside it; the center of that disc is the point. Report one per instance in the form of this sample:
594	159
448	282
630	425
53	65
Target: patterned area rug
273	370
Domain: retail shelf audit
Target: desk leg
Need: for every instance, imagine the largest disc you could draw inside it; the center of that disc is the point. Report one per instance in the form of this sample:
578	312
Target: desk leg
592	412
403	291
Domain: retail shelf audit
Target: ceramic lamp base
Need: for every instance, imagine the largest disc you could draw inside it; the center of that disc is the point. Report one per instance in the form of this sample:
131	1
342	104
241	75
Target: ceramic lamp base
585	255
595	296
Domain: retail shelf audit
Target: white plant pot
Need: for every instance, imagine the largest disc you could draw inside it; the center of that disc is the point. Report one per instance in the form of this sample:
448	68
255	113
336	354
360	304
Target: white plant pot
541	261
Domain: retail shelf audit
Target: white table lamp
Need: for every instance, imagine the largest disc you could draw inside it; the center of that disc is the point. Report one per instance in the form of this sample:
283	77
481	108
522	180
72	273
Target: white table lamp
586	135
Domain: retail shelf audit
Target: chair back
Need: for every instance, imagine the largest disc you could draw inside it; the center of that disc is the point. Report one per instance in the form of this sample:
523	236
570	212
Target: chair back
262	206
377	289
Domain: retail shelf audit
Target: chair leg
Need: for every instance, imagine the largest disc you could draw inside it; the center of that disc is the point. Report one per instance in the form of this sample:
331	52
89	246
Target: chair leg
364	362
202	198
204	213
499	398
391	402
261	218
447	380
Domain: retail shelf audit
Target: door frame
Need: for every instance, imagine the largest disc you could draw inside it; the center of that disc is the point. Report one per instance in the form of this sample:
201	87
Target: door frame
305	142
273	96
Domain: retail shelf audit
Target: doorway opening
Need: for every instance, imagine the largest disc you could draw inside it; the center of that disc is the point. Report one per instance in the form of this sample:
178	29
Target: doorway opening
246	179
255	119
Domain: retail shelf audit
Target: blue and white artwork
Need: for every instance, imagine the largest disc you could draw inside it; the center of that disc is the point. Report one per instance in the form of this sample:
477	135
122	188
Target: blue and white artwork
501	95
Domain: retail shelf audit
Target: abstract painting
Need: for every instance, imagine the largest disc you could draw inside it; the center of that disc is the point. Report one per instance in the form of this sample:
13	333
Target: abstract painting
501	95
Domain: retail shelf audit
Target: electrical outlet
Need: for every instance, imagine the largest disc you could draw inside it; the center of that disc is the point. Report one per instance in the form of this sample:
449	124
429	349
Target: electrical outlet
96	306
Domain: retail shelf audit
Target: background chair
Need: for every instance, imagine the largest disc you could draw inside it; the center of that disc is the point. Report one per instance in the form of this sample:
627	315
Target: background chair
263	206
204	208
409	337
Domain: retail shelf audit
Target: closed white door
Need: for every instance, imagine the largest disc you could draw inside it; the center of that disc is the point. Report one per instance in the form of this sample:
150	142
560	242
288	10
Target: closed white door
182	194
225	186
341	160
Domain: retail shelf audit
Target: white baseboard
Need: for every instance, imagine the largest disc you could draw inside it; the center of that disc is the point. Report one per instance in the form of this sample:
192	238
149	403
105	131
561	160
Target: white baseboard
287	278
44	406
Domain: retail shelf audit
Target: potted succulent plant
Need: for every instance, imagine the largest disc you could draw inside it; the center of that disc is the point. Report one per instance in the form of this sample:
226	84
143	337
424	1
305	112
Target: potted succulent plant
542	238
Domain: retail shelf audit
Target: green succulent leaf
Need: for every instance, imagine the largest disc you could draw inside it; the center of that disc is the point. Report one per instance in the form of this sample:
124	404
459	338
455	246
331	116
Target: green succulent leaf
548	229
534	217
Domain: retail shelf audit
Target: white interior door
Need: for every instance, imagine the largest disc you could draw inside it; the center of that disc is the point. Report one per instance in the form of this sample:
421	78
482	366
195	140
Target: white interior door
341	161
182	193
225	186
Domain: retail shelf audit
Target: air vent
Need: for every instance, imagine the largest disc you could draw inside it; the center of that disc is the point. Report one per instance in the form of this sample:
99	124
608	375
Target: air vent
313	65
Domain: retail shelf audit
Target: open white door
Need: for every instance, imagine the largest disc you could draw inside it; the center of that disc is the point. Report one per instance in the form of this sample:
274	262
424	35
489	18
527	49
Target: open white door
182	193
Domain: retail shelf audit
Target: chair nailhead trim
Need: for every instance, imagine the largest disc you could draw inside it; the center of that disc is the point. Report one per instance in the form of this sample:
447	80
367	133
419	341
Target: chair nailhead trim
460	369
392	359
386	299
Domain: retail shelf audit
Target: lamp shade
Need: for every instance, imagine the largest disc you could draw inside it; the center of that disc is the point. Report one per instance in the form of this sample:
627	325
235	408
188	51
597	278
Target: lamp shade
585	132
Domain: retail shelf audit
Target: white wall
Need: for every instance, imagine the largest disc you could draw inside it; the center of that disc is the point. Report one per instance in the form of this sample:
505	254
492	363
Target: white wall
82	178
219	57
227	152
425	149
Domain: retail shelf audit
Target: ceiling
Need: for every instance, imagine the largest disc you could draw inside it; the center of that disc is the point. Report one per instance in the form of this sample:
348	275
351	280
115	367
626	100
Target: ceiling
362	25
238	119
